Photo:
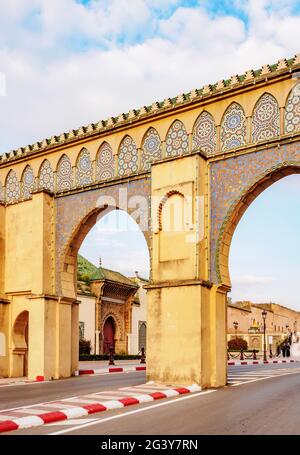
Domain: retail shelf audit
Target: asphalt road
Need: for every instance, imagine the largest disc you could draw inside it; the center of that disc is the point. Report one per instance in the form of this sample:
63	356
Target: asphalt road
23	395
270	406
263	399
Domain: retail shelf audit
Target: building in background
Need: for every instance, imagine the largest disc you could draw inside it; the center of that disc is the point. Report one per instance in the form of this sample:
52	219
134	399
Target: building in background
280	323
113	309
137	339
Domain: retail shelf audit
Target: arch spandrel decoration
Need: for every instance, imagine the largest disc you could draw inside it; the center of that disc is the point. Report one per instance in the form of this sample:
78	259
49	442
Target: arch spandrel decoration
265	118
233	127
177	140
73	211
1	193
242	172
151	148
292	111
12	187
105	163
84	168
128	157
27	182
64	174
46	177
205	133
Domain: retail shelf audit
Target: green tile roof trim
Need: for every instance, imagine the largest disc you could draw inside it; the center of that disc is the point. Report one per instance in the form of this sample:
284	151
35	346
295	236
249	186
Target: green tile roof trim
281	67
86	271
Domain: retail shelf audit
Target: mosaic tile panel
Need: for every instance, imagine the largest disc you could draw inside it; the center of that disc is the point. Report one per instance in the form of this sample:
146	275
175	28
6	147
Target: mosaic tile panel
292	111
128	157
64	174
230	178
1	192
151	149
105	163
177	141
46	176
27	182
205	133
73	208
12	187
233	128
265	118
84	168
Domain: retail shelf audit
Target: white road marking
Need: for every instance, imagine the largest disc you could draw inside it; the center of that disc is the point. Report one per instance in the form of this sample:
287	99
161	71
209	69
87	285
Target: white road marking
72	422
136	411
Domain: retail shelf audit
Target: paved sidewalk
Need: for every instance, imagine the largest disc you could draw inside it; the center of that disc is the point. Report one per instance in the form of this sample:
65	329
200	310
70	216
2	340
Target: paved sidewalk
4	382
260	361
99	364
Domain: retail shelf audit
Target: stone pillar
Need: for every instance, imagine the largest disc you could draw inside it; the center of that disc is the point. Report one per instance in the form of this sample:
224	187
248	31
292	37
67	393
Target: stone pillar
4	331
74	337
186	313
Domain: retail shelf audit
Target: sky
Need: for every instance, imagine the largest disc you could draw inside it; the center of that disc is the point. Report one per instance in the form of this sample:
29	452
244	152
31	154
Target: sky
67	63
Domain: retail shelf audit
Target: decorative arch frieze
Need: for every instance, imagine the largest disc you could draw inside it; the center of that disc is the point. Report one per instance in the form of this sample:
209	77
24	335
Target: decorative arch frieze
177	140
105	163
46	176
127	157
205	133
265	119
151	148
12	187
27	182
84	168
233	127
292	111
64	174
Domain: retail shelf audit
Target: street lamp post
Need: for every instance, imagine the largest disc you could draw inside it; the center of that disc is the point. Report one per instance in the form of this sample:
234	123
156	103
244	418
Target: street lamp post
235	325
264	315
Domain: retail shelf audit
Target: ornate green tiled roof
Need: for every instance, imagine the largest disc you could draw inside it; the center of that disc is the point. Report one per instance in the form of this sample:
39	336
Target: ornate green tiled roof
86	271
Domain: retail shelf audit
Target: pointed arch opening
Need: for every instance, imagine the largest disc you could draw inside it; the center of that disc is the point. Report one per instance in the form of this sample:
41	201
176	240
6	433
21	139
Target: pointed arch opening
237	210
20	344
104	264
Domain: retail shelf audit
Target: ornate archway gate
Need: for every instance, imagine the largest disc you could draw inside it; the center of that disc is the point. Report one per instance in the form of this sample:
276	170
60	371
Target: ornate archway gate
186	169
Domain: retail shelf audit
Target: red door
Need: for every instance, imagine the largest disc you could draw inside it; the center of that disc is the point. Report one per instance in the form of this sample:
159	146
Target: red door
108	335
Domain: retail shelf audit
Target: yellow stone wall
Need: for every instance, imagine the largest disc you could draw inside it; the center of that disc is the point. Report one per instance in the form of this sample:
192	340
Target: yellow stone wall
187	313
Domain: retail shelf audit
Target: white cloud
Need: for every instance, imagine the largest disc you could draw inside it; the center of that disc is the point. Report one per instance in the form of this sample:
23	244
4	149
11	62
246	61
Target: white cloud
251	279
67	65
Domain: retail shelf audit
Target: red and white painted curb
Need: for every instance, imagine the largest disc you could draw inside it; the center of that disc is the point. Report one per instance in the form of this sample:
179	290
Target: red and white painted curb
112	370
260	362
92	408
